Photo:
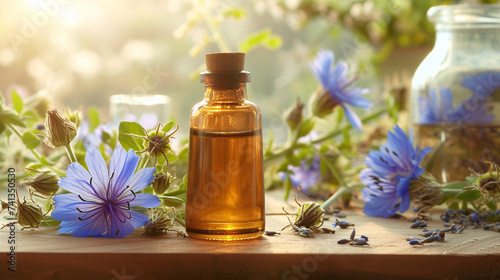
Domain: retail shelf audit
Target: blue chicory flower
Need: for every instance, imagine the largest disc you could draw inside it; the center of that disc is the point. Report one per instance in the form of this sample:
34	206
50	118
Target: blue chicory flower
307	175
389	173
483	84
102	203
438	108
333	79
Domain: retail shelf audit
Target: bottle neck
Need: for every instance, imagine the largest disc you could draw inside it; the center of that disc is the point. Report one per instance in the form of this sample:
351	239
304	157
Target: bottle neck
225	94
225	87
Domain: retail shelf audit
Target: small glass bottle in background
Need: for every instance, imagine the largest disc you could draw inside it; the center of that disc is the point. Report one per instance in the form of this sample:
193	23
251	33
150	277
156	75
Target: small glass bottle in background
225	191
455	92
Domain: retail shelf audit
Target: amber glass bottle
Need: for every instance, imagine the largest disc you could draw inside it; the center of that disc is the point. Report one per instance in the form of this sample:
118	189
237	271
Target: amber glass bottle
225	192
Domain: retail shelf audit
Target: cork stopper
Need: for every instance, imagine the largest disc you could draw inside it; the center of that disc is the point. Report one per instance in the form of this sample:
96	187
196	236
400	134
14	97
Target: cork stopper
225	62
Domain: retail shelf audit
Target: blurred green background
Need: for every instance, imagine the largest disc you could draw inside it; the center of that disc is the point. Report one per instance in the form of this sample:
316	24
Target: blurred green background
82	52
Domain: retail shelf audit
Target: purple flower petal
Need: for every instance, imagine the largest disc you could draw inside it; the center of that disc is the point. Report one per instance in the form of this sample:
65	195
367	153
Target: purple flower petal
107	213
145	200
122	167
352	118
98	171
79	187
138	219
141	179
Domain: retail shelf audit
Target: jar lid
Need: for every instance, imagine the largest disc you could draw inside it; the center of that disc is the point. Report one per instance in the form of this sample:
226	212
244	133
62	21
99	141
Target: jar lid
465	16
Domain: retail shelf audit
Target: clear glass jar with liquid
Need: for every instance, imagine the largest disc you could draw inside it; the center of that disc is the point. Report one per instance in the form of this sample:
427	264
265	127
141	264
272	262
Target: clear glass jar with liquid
455	92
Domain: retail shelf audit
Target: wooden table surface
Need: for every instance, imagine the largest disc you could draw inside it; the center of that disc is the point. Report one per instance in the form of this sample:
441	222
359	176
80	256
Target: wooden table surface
45	254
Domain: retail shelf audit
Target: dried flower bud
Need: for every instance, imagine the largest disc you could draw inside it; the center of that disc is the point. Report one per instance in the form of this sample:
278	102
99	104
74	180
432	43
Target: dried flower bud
293	116
426	192
161	183
29	215
5	205
309	215
488	183
323	104
60	131
160	221
44	183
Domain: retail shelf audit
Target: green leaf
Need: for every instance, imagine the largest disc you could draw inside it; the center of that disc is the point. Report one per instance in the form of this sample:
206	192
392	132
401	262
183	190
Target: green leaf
306	127
94	118
454	206
347	138
288	187
125	130
292	159
30	140
338	115
261	38
34	165
273	42
323	165
106	137
9	116
167	127
171	199
237	13
471	179
469	195
450	190
283	166
491	203
171	158
49	221
184	153
456	185
270	144
176	192
433	157
17	102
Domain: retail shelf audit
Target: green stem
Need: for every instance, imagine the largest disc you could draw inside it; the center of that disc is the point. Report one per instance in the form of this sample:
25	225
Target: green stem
143	161
451	191
338	131
70	152
287	148
216	34
334	197
475	206
35	153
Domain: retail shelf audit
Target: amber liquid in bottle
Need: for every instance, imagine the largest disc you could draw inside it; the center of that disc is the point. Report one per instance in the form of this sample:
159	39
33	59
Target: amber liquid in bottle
225	192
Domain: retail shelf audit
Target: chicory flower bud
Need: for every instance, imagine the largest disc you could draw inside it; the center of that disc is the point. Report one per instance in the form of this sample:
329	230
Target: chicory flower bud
293	116
60	131
44	183
161	183
29	215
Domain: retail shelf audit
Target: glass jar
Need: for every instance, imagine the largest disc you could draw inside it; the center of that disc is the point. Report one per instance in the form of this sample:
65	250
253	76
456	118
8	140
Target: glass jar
455	92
